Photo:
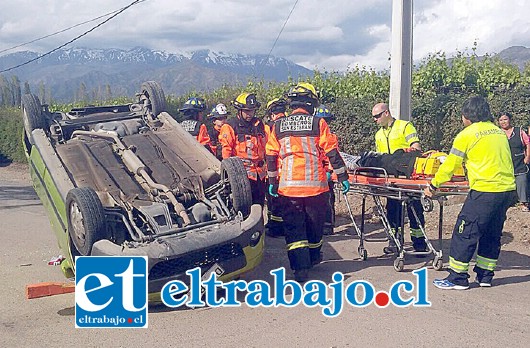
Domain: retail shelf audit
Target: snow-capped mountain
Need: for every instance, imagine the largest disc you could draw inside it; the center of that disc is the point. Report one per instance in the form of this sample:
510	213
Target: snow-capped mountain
62	72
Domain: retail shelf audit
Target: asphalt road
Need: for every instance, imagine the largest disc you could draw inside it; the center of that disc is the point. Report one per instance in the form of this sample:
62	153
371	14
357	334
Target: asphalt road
478	317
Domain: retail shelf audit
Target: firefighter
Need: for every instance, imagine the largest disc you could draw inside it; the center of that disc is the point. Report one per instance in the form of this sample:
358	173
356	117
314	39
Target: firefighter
299	140
193	110
486	152
392	136
275	109
244	136
218	117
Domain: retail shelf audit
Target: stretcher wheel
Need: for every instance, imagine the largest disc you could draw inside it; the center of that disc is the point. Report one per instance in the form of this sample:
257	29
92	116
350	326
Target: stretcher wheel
399	264
362	253
427	204
437	263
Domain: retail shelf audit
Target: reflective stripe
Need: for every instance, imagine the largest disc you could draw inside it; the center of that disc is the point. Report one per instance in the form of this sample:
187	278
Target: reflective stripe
340	170
457	152
319	184
461	227
297	245
410	136
307	158
457	266
315	162
315	245
485	263
272	174
276	218
416	232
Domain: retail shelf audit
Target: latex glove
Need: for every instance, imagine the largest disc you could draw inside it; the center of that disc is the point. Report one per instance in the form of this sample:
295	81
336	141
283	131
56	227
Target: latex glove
273	190
328	175
345	186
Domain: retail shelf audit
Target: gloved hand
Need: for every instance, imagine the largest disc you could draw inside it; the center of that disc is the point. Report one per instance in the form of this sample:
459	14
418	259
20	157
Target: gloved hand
273	190
328	175
345	186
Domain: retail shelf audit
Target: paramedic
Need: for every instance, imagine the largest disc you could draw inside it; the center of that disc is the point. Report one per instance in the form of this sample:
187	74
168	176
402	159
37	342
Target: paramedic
299	140
485	150
395	135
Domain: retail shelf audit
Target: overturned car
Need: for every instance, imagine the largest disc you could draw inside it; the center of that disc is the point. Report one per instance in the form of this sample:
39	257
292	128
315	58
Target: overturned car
129	180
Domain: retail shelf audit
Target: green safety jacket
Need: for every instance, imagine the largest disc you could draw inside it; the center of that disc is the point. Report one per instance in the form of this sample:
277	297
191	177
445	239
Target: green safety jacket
399	135
484	149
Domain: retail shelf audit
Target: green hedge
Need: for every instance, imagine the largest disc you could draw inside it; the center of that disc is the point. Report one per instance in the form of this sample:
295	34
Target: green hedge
11	135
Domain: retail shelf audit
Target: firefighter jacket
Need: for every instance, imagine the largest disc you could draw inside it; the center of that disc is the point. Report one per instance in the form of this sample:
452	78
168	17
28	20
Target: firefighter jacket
399	135
300	140
484	149
198	130
215	144
247	141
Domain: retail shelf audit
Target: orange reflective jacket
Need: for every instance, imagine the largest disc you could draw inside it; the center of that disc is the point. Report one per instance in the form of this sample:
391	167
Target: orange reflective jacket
245	140
215	145
301	140
198	130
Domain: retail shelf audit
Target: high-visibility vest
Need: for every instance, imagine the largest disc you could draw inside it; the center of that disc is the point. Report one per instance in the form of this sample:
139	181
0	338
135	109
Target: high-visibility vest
484	148
246	141
399	135
197	129
300	140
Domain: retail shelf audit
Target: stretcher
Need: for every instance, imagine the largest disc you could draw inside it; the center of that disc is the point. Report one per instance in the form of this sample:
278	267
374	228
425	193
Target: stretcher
376	183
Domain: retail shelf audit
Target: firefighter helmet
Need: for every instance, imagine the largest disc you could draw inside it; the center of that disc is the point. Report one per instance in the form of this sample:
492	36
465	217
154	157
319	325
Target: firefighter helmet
219	111
246	101
276	105
193	104
323	111
303	95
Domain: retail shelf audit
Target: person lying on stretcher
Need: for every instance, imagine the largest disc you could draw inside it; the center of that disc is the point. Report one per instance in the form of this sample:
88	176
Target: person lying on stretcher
410	163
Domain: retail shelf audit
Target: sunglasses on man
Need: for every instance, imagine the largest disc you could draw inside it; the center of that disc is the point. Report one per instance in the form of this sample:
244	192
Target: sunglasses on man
377	116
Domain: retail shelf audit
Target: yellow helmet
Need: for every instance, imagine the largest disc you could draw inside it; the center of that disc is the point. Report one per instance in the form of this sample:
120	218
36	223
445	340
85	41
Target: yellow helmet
303	90
276	105
246	101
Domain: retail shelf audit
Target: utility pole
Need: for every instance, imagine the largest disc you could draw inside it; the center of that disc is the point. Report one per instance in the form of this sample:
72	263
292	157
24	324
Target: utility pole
401	59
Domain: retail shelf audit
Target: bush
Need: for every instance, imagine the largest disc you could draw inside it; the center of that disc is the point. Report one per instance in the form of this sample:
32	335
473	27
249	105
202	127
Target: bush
11	135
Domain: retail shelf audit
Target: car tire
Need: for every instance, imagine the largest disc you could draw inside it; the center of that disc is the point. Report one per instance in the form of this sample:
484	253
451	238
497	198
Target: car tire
152	91
32	115
86	219
233	171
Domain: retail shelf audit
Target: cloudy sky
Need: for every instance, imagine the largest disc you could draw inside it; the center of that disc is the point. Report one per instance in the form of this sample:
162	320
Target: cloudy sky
319	34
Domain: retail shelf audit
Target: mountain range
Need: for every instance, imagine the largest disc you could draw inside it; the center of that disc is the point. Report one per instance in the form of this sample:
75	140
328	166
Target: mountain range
64	71
117	72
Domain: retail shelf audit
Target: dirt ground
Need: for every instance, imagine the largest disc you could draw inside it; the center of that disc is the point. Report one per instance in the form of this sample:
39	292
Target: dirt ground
477	317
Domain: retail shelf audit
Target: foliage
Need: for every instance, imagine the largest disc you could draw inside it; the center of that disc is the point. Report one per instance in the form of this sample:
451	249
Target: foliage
439	87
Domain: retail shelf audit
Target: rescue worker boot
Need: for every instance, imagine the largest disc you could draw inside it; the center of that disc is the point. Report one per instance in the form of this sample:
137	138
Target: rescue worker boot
274	229
301	275
419	245
317	259
392	247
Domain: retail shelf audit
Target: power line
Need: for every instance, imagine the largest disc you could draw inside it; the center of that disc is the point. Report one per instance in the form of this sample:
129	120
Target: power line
116	13
281	31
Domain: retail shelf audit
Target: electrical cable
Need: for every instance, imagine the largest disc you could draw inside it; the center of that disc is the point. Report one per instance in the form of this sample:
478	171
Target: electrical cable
116	13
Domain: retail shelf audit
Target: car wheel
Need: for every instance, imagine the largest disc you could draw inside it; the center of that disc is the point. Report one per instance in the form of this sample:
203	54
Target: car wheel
86	219
234	173
32	115
156	96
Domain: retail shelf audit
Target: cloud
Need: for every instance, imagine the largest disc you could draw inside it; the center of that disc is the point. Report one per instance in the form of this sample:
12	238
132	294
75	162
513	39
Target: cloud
329	35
